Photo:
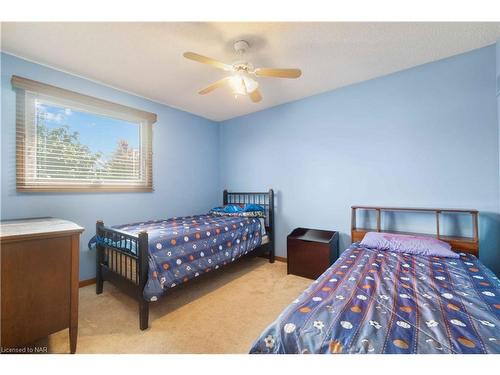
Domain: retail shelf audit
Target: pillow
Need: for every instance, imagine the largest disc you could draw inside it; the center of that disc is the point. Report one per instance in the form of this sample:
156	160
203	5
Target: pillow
247	210
228	208
253	207
404	243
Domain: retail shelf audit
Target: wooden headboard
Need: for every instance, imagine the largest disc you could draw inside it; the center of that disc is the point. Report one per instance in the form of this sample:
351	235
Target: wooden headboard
460	244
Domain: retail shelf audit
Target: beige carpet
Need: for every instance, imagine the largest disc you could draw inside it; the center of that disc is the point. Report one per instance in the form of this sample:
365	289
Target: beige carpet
223	312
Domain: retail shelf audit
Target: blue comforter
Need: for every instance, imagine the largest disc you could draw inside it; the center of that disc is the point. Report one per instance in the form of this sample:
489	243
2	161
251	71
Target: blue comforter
372	301
182	248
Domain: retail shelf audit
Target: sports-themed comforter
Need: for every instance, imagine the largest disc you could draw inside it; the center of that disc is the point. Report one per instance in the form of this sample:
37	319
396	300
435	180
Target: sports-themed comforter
373	301
182	248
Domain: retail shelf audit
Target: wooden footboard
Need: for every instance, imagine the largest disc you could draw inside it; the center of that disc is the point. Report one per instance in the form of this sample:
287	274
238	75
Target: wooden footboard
122	259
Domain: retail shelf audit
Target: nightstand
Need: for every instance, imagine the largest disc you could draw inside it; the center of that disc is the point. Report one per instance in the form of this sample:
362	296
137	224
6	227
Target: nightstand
311	251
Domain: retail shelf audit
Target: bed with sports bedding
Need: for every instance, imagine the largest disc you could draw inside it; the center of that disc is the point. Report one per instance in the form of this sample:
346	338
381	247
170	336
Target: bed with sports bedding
147	259
393	293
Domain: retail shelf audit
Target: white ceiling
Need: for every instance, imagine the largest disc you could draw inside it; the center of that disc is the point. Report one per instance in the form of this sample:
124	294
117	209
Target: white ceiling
146	58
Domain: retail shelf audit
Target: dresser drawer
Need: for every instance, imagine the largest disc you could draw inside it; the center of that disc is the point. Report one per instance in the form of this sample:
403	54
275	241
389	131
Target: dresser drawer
35	289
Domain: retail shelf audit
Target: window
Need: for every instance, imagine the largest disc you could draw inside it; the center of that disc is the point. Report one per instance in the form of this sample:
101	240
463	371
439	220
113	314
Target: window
72	142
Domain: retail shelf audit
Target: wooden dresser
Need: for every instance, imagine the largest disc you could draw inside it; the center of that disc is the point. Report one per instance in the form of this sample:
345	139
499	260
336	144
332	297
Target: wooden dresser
39	280
311	251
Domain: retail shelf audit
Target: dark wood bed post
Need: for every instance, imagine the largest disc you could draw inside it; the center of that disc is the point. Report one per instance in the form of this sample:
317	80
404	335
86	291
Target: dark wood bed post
224	197
143	278
271	224
98	258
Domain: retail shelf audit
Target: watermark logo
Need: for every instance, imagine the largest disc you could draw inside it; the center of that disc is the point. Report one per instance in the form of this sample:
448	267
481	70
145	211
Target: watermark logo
24	350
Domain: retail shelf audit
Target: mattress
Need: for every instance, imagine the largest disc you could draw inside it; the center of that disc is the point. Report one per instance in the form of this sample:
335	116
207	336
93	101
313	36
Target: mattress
265	239
372	301
264	235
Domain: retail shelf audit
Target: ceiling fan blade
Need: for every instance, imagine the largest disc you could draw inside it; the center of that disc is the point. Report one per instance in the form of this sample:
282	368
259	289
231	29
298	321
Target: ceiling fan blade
280	73
215	85
255	96
207	60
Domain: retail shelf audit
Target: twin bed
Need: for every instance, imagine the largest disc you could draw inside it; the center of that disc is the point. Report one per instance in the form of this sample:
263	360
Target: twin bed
369	301
147	259
377	301
373	301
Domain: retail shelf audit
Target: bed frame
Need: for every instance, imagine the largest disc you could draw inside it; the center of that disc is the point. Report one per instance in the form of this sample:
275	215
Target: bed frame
129	271
459	244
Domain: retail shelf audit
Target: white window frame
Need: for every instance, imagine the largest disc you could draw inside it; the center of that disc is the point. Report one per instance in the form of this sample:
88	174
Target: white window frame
28	91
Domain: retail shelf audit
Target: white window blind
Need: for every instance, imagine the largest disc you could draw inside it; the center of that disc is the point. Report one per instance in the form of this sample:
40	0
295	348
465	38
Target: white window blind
66	141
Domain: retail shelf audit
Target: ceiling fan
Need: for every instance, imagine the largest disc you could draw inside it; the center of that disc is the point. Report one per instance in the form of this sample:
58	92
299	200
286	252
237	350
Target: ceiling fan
241	81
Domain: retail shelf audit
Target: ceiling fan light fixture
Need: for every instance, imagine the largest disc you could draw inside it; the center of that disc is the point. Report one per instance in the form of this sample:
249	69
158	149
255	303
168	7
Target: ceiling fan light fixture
242	85
250	84
237	85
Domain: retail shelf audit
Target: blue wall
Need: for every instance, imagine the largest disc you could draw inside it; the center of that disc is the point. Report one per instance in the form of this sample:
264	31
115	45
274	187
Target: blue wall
185	164
426	136
498	96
